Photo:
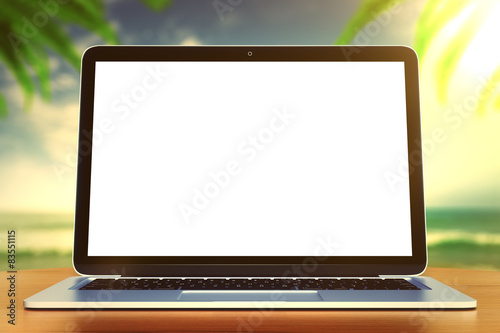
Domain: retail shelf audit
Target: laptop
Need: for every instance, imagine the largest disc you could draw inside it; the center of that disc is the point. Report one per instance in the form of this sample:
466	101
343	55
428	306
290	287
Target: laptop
242	177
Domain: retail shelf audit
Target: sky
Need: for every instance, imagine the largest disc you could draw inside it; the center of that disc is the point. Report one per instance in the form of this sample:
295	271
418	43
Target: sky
461	160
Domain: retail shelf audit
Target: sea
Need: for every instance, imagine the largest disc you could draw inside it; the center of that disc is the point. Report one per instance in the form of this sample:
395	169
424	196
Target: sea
456	237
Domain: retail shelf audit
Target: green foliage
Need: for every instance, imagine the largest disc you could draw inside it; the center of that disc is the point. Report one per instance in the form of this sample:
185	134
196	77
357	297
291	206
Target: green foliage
3	107
435	16
28	29
496	102
368	11
457	45
157	5
491	84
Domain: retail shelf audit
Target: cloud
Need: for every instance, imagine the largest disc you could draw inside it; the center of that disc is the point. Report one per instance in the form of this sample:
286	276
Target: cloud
65	81
191	40
31	145
87	41
54	63
28	185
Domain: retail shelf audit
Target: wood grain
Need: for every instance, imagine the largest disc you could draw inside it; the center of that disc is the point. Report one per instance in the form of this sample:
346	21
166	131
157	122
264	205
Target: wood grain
481	285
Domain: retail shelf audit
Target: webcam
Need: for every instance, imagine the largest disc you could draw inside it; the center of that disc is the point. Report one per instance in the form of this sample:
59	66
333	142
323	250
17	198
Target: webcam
250	53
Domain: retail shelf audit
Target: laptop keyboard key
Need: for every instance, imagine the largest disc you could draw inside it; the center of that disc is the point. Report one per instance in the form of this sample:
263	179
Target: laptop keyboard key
249	284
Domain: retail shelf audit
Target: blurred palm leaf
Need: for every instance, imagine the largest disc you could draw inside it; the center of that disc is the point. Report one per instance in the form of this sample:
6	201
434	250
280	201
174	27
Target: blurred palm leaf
16	65
368	11
491	84
29	28
457	45
435	15
496	102
157	5
3	107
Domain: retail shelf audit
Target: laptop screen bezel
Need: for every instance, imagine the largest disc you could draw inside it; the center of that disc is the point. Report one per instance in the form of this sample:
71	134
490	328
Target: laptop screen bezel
250	266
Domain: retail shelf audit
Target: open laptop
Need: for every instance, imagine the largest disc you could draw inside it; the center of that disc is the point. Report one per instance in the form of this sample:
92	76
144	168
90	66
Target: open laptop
250	176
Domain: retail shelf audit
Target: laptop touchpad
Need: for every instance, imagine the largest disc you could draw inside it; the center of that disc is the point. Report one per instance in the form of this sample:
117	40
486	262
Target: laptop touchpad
218	296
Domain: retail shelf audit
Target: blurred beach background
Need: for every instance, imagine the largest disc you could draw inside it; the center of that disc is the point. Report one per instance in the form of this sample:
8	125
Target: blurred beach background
40	46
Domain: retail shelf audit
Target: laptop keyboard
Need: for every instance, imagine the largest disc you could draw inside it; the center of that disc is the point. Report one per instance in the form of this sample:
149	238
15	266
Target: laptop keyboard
249	284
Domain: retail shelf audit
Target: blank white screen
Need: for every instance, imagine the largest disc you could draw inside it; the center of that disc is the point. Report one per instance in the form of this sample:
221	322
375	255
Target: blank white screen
299	151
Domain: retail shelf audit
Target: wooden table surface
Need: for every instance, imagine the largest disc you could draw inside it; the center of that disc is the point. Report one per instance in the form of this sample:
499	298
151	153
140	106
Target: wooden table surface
481	285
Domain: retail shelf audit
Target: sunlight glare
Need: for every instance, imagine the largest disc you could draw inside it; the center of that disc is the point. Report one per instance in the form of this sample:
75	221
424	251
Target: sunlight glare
483	53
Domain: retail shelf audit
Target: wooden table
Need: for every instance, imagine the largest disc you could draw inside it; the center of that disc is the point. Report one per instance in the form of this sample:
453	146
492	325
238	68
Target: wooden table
481	285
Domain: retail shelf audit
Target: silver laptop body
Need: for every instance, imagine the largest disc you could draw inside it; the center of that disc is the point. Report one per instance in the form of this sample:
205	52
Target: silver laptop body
280	166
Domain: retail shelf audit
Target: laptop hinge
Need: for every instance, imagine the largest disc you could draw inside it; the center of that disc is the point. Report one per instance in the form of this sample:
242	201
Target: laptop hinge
394	276
103	276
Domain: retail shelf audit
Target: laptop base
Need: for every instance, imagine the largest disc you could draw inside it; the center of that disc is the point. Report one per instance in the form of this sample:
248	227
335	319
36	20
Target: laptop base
65	295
